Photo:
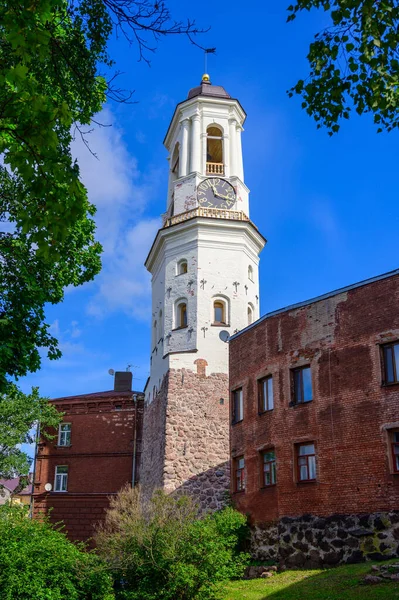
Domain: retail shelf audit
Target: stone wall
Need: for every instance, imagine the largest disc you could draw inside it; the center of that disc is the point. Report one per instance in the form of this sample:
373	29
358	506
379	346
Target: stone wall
311	541
185	440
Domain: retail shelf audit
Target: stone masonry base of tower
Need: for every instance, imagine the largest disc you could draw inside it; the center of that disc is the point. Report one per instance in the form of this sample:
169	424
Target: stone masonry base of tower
186	437
311	541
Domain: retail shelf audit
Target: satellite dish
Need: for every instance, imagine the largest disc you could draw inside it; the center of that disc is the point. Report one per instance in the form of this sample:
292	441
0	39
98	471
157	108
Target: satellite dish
111	371
224	335
48	487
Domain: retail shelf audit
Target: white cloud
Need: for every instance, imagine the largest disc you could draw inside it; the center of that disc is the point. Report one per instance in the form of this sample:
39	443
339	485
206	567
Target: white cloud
121	193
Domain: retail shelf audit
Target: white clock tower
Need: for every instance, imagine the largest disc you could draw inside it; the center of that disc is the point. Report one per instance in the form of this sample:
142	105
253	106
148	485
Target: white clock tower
204	266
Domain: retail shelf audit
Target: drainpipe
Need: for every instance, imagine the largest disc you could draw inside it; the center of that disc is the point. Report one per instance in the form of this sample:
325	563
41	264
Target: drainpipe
134	441
34	471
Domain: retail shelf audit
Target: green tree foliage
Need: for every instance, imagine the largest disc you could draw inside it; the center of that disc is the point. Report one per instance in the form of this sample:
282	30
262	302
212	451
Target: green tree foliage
19	415
51	52
164	551
354	63
39	563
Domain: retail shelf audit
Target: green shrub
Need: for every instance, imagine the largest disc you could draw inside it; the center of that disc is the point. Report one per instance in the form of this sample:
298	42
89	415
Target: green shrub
164	551
39	563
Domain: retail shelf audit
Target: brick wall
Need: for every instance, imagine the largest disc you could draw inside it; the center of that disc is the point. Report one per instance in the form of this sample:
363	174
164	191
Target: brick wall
99	459
350	414
185	443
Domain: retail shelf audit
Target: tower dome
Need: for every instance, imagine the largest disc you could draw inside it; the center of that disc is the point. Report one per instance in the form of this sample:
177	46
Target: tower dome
207	89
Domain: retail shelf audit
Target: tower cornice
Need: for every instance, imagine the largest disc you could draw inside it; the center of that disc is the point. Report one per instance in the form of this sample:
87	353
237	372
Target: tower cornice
195	222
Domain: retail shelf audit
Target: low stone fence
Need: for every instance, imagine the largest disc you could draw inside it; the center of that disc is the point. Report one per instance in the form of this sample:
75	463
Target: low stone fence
311	542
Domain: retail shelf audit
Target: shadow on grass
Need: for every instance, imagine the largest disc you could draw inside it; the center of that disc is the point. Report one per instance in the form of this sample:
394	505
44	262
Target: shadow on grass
340	583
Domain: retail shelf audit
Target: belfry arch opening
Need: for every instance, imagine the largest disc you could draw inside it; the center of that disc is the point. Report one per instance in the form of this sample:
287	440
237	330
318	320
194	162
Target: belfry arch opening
214	151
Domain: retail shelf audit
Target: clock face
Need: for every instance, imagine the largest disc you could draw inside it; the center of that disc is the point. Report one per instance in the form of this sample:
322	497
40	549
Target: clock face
216	193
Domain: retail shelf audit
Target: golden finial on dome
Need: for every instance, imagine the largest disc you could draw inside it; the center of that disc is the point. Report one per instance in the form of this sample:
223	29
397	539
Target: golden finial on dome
205	78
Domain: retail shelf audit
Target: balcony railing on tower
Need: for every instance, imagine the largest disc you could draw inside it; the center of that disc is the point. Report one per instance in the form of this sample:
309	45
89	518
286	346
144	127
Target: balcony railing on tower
213	213
214	168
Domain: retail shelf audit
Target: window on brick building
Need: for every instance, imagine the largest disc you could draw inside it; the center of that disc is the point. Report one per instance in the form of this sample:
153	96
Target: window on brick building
265	394
391	363
269	475
395	451
239	474
306	461
302	385
238	405
61	479
64	434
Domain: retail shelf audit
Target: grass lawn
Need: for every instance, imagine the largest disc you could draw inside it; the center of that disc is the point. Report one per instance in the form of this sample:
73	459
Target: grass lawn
341	583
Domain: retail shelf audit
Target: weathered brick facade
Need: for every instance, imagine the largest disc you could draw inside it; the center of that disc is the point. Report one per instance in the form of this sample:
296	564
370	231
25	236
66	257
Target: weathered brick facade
185	439
99	458
350	420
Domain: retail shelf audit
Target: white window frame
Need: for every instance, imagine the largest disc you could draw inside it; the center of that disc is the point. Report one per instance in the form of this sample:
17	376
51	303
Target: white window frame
60	433
63	487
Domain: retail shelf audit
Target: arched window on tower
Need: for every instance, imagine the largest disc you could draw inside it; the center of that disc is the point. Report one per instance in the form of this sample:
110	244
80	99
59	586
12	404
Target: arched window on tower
250	273
219	313
182	267
250	312
160	326
174	167
154	334
214	151
181	314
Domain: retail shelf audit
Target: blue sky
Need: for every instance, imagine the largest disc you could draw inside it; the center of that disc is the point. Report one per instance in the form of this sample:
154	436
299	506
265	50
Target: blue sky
328	206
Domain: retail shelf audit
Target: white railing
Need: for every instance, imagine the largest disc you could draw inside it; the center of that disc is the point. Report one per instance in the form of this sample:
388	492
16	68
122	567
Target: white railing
213	213
214	168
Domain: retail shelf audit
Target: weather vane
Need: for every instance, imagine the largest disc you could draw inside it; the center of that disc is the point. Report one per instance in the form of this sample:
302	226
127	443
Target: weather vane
206	52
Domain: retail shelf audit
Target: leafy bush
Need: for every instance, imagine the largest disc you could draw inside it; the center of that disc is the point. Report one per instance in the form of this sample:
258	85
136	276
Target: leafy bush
164	551
39	563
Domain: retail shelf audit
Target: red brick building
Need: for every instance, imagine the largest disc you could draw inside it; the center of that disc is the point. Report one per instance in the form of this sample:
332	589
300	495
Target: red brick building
315	425
95	452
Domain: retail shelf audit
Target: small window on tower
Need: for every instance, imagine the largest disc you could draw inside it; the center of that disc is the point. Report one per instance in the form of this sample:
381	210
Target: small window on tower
182	267
250	273
181	315
219	313
250	314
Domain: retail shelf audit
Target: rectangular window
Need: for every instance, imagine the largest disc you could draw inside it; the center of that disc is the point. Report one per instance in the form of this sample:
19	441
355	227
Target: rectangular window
391	363
302	385
238	406
61	479
269	468
395	451
64	434
265	389
306	462
239	471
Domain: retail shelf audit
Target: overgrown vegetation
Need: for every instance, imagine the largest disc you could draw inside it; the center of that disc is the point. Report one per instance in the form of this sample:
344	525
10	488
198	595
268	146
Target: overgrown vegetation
55	76
165	551
39	563
19	414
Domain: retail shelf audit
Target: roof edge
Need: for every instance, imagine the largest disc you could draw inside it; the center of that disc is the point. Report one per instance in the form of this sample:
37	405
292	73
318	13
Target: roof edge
317	299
